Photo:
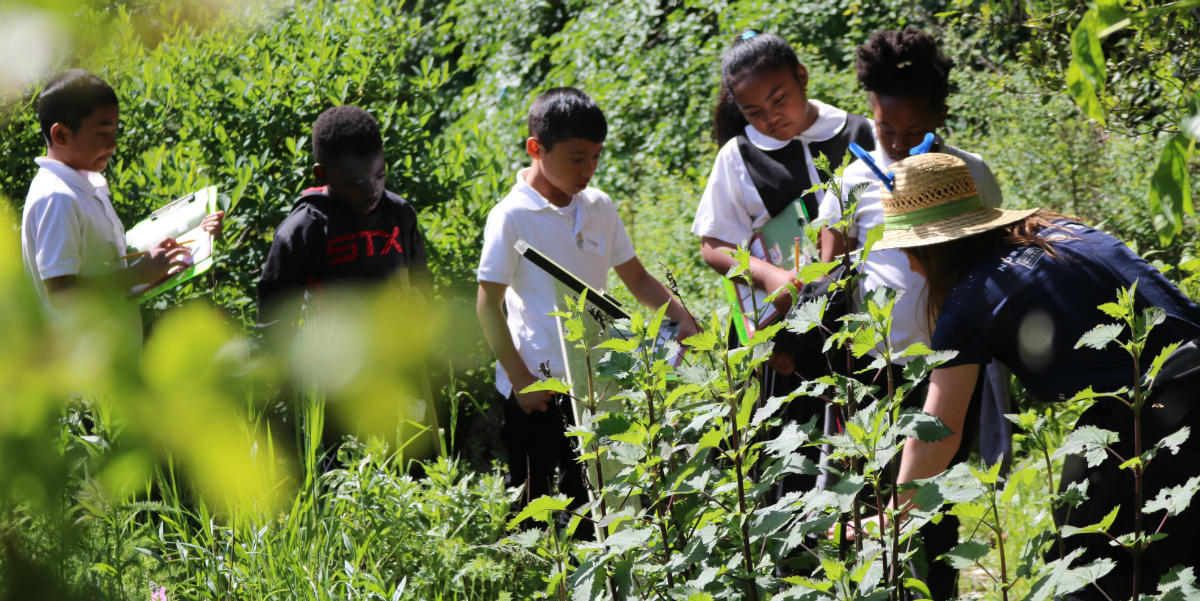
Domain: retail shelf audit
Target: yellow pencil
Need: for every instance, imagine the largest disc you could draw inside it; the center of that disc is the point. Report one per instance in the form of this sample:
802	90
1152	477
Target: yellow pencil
796	254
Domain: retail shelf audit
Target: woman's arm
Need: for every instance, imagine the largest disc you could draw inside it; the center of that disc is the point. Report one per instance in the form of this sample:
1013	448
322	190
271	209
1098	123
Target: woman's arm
950	390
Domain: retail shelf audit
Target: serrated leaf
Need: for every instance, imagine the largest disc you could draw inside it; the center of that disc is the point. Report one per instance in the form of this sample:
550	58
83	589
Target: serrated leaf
703	341
1174	440
1101	526
965	555
1100	336
1089	442
620	345
612	424
922	426
540	509
552	384
628	538
1174	499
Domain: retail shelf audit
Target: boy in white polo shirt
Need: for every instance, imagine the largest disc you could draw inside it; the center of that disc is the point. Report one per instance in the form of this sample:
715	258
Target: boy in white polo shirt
70	234
552	208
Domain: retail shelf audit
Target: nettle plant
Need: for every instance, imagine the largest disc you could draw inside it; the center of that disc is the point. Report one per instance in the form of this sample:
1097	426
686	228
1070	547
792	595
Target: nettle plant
694	509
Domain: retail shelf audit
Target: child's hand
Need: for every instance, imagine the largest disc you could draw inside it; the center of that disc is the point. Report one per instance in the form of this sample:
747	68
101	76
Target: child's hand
161	260
534	401
687	329
213	224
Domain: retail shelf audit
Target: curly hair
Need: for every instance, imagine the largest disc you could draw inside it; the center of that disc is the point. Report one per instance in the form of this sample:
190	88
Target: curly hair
906	63
345	131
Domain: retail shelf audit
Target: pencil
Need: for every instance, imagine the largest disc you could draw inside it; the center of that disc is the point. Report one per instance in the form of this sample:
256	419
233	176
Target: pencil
138	254
796	254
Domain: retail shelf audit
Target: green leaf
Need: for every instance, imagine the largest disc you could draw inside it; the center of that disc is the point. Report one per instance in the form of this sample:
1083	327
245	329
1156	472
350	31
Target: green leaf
1174	440
1086	73
965	555
540	509
1100	336
612	424
1174	499
1170	192
1101	526
1157	364
553	385
1178	584
627	345
922	426
703	341
1089	442
1114	311
627	539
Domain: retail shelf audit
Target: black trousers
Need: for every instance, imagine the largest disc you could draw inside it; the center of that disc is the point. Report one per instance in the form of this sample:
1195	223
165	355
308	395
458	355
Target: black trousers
541	459
1108	487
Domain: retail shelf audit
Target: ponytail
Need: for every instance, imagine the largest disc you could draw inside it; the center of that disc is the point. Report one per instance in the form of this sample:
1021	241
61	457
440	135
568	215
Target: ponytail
751	52
728	120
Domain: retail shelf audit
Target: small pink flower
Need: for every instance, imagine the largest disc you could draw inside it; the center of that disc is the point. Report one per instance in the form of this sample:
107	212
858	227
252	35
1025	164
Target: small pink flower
160	594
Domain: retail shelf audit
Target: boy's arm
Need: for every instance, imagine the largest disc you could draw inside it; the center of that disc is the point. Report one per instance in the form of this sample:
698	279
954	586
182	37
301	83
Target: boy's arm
161	260
286	271
765	275
651	292
495	330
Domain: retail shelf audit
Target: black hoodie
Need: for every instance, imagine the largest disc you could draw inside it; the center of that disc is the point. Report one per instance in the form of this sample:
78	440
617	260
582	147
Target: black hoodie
320	242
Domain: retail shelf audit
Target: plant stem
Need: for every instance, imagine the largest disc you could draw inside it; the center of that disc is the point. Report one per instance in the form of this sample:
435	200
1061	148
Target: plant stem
998	527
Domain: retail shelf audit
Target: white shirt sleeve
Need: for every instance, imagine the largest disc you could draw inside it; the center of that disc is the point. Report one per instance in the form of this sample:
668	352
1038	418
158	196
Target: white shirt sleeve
56	235
723	212
498	261
622	247
985	181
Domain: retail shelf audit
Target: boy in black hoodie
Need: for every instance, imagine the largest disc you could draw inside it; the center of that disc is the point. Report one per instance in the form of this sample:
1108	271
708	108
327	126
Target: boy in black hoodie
348	230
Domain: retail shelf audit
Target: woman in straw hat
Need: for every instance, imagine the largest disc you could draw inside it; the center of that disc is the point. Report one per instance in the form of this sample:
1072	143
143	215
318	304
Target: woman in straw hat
1022	287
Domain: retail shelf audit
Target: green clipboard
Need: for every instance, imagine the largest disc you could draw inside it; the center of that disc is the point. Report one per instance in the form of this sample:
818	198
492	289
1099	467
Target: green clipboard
180	219
775	243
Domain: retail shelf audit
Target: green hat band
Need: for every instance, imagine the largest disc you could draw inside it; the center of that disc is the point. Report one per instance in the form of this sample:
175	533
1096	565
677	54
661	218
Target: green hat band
953	208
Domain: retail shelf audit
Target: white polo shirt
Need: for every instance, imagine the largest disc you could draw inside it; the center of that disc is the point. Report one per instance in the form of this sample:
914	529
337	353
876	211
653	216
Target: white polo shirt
910	322
68	226
731	208
586	237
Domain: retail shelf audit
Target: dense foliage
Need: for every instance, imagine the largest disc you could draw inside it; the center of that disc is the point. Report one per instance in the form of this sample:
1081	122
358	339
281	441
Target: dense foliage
228	98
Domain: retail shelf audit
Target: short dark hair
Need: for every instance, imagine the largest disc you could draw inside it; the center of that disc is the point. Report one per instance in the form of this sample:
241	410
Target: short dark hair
561	113
751	52
345	131
905	63
70	97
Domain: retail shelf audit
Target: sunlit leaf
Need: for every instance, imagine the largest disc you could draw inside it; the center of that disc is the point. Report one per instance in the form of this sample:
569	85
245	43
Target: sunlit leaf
1174	499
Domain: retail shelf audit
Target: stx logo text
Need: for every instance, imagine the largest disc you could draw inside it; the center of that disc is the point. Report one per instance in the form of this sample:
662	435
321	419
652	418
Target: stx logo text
345	248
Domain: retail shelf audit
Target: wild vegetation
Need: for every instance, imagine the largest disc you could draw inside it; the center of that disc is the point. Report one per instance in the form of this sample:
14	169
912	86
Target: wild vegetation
192	464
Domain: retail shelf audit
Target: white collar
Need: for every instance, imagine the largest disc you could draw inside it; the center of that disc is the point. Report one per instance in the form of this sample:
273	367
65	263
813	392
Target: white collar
830	120
528	197
88	182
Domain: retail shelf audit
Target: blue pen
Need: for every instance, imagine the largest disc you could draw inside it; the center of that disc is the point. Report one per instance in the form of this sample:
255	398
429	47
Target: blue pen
865	156
923	147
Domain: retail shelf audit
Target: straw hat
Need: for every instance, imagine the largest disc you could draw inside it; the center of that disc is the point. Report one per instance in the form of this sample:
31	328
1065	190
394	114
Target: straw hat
934	199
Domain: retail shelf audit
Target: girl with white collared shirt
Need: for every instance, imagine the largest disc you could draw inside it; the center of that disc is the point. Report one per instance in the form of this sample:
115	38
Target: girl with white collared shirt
769	132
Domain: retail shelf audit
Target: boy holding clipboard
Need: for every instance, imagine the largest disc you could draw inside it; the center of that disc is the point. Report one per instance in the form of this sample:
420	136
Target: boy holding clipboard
553	209
70	234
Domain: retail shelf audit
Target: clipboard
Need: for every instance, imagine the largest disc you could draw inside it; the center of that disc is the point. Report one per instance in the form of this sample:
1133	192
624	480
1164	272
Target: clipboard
774	243
179	219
